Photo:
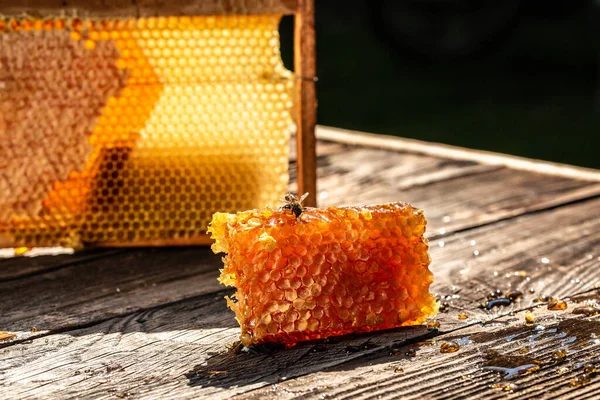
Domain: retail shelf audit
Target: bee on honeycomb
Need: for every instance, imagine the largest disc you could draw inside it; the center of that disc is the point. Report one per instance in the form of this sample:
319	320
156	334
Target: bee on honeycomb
293	203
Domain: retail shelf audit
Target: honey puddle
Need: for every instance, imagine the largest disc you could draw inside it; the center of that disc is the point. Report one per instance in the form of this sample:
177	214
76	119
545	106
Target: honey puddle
557	348
510	366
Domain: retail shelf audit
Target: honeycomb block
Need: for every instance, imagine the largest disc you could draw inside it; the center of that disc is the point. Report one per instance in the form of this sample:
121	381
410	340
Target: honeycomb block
127	130
332	271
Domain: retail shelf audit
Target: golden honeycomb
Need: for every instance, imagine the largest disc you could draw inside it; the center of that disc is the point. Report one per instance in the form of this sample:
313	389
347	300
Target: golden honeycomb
332	271
133	130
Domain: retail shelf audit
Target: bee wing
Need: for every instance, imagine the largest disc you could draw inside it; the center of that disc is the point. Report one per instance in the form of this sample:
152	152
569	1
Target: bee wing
305	195
289	197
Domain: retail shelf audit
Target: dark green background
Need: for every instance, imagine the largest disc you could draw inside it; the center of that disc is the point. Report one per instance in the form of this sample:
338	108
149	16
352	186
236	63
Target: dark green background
532	96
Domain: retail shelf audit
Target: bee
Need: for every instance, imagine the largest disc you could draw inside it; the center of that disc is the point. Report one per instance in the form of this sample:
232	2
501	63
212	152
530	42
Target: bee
293	203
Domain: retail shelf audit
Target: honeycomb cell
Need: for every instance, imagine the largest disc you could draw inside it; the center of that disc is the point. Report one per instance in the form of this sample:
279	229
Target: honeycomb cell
386	287
141	106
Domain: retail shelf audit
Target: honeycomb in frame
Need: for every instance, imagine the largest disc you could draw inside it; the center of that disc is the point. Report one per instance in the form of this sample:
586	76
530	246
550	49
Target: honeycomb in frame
138	130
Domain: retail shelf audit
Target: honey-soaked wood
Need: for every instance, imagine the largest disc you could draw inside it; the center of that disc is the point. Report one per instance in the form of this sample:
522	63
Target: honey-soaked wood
509	257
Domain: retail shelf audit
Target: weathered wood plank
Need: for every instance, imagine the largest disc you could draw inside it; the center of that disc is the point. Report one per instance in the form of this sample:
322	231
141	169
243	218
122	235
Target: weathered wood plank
372	140
159	348
455	195
555	253
99	296
156	348
158	313
99	289
150	353
30	264
338	173
85	292
463	374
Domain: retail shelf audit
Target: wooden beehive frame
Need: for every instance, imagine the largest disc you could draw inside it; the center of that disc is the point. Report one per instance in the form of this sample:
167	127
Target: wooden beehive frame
304	60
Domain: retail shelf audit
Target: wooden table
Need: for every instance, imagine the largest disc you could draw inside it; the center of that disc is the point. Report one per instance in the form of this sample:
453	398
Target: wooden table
152	323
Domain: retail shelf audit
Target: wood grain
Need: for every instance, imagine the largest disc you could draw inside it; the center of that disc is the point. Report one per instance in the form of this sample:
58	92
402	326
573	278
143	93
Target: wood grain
156	348
172	340
164	332
372	140
433	375
101	288
339	177
190	272
144	8
202	239
30	264
181	352
455	195
555	253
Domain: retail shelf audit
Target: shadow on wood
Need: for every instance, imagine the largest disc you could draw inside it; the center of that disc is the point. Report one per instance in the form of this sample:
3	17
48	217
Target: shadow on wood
274	363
